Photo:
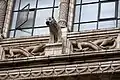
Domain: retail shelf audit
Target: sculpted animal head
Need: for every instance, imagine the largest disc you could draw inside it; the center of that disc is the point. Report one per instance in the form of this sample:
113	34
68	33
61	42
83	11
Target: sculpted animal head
50	21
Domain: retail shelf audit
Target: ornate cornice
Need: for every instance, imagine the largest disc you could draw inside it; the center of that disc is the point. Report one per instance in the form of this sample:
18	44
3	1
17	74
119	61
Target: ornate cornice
65	70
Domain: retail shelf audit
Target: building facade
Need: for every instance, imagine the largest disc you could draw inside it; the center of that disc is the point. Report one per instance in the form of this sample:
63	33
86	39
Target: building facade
59	39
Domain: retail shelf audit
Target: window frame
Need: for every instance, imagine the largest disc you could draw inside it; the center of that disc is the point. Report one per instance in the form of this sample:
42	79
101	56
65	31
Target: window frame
53	8
80	4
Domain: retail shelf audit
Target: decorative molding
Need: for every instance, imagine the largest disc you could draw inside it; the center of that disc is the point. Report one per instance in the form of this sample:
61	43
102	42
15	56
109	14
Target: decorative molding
65	70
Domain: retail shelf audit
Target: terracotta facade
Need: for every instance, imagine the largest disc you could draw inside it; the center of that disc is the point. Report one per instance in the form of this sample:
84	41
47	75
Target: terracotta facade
91	55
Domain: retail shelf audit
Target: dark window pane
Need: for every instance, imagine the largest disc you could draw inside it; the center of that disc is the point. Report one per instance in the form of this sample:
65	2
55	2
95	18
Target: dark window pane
107	10
14	19
107	24
41	16
25	2
24	32
41	31
89	1
88	26
29	22
89	12
22	16
77	12
75	27
45	3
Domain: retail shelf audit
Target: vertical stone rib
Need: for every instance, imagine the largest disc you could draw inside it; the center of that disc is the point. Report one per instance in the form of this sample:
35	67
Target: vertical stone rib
63	14
2	13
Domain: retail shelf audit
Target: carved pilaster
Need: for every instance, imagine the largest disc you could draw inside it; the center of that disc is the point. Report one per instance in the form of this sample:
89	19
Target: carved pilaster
71	14
2	12
63	13
3	5
8	17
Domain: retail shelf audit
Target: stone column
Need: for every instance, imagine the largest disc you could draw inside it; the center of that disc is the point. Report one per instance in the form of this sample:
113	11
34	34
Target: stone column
8	17
63	17
71	14
3	5
63	13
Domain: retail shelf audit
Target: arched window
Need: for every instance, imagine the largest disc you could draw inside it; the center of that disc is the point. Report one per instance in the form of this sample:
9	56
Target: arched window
29	17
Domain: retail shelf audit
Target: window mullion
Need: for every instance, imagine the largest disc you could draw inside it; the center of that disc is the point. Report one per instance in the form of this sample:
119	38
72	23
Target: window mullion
80	15
34	18
99	9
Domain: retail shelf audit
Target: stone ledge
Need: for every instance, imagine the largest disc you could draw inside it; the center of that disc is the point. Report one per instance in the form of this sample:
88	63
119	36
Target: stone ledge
62	59
97	33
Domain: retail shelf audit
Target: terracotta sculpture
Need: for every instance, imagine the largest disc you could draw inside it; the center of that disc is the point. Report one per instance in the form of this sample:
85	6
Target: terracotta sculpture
55	30
36	50
101	44
16	52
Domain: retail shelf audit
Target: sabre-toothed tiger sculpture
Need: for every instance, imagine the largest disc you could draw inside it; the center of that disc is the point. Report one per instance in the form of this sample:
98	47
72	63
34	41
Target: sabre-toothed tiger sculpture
55	30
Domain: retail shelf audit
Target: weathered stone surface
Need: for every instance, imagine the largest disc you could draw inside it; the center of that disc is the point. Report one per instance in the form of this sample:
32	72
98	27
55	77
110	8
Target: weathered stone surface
53	49
55	30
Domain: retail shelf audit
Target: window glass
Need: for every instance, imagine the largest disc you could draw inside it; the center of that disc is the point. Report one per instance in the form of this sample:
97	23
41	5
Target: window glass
56	13
57	2
23	32
31	16
22	16
88	26
11	33
119	10
77	12
107	10
25	2
41	17
45	3
16	6
29	22
75	27
118	23
78	1
96	14
107	24
89	12
14	19
89	1
41	31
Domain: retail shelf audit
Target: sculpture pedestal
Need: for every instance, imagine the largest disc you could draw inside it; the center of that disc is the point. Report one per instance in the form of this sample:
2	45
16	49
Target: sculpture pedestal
53	49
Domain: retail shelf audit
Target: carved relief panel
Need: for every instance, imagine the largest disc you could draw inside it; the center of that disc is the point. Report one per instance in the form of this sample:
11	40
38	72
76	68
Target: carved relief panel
94	41
23	48
28	51
95	45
